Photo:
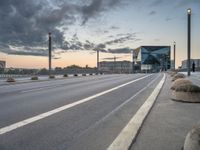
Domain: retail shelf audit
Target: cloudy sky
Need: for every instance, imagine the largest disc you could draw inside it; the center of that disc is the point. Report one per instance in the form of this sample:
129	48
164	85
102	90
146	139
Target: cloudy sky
81	27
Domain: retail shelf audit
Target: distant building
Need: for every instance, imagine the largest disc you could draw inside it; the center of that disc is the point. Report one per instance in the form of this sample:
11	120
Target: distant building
151	58
115	66
196	61
2	64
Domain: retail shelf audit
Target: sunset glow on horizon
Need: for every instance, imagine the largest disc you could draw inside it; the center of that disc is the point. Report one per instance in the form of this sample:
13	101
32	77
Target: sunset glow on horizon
79	28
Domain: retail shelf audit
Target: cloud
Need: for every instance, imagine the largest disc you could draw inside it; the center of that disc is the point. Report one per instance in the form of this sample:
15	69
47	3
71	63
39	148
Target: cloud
120	50
75	44
156	2
152	12
187	2
124	38
27	22
100	47
96	7
114	27
111	58
168	19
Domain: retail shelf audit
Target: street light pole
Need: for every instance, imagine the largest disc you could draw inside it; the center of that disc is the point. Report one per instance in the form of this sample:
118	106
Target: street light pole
133	63
174	55
97	61
49	53
189	11
114	63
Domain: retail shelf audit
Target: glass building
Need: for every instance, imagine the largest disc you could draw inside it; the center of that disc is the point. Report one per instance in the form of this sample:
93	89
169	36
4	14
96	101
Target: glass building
151	58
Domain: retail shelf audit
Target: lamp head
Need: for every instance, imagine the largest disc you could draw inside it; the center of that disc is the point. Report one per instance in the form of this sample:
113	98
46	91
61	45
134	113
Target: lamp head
189	10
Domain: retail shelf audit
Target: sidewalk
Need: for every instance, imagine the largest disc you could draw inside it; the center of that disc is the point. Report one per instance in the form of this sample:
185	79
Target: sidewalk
195	78
168	123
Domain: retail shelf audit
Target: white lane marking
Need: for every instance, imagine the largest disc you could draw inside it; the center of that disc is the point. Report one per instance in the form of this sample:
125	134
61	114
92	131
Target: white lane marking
53	86
59	109
128	134
32	90
118	107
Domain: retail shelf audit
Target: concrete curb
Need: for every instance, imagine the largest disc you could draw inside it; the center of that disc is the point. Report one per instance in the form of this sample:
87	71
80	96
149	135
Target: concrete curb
129	133
192	140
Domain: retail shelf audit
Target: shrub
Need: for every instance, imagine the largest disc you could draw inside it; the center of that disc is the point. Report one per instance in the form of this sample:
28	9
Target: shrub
179	82
34	78
10	79
178	76
75	75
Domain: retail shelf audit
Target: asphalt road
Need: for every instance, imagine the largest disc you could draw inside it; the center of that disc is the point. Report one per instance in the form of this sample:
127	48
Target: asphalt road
89	125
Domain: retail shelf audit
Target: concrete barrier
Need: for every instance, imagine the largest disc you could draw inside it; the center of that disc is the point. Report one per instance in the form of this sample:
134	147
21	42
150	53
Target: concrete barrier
192	140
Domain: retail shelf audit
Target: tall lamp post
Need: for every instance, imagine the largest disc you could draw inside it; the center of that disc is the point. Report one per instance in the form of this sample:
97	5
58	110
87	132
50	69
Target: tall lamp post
133	59
114	64
189	12
97	61
49	53
174	55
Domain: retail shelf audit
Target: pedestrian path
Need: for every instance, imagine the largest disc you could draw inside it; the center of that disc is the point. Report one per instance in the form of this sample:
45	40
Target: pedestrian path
168	123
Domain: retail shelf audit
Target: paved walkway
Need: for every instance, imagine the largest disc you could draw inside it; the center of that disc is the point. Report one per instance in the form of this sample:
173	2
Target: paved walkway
194	77
168	123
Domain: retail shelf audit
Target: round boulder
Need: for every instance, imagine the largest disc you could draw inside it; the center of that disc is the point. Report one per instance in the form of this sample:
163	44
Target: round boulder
178	76
173	73
34	78
179	82
51	77
186	93
10	79
192	140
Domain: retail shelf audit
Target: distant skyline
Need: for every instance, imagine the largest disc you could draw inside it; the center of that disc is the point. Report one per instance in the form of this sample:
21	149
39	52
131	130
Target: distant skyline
81	27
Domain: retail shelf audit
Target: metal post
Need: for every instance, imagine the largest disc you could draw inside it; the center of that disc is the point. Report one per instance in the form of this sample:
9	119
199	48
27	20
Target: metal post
174	55
133	61
114	64
49	53
189	11
97	61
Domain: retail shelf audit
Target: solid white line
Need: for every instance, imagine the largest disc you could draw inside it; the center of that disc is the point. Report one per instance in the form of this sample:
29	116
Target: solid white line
54	111
130	131
118	107
33	90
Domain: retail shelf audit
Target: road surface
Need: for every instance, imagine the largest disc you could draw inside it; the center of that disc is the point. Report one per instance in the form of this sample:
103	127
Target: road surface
77	113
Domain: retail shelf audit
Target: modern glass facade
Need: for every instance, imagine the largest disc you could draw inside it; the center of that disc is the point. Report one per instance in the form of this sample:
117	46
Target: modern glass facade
152	58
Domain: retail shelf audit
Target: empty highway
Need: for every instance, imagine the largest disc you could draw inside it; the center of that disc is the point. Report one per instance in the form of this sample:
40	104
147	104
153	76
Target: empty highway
80	113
